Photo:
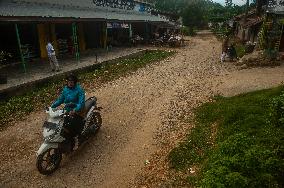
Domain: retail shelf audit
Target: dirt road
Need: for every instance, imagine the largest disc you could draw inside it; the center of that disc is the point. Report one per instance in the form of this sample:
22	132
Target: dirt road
140	117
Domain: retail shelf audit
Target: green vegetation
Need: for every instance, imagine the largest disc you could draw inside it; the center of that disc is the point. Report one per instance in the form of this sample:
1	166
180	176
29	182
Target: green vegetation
188	31
240	49
198	13
237	142
17	107
271	54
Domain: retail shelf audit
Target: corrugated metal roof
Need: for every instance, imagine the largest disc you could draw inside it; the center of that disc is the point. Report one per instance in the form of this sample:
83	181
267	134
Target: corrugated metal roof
275	6
69	9
171	25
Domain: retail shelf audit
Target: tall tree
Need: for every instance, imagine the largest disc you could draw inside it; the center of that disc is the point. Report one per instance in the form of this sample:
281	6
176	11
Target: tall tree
259	4
197	13
228	3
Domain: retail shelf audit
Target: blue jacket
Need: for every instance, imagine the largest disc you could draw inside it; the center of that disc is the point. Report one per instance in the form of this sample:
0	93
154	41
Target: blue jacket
74	97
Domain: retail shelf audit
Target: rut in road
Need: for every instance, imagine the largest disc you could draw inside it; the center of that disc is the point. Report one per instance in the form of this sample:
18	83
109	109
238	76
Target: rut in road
137	109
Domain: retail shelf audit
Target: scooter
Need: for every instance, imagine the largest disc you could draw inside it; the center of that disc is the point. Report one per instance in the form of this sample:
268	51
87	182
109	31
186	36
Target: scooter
49	155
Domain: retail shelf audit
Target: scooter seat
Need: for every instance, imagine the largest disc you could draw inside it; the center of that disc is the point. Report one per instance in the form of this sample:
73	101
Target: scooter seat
89	103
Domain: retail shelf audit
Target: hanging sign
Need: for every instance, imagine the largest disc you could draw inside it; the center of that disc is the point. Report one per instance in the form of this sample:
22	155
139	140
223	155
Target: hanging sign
109	25
124	25
116	25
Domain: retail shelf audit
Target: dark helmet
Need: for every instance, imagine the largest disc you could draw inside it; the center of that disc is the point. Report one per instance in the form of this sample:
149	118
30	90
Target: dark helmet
72	77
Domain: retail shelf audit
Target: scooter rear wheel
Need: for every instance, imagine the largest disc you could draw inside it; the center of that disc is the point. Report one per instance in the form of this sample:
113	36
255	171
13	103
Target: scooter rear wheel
49	161
96	120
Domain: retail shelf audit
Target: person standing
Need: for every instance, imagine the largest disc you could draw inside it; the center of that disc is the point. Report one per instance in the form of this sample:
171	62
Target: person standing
52	57
224	49
232	52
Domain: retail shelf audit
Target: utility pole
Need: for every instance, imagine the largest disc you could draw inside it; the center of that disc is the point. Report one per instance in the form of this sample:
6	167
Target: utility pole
247	9
75	41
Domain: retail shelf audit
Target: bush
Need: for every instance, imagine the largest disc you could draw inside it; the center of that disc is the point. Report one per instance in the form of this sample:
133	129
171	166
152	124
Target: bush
248	150
188	31
271	54
240	162
240	49
277	110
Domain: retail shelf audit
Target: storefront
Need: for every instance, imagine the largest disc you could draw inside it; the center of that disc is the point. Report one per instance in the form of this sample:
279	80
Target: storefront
72	26
9	44
64	39
28	37
93	33
118	34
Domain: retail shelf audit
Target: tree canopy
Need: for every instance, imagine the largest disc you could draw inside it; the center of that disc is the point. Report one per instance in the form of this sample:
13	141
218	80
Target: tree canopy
198	13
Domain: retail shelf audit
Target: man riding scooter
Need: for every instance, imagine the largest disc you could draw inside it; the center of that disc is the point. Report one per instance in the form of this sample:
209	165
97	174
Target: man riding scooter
65	130
73	96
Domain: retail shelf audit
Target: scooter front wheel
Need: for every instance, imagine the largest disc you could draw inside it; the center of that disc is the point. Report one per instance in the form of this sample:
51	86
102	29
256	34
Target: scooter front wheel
49	161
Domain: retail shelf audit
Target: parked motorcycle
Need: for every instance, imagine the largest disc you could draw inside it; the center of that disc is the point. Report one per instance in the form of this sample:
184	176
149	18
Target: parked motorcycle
55	144
136	39
175	41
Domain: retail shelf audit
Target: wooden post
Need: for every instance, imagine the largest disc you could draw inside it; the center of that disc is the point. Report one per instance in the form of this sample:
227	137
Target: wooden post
53	37
182	32
20	48
146	36
42	40
182	37
105	35
81	37
130	30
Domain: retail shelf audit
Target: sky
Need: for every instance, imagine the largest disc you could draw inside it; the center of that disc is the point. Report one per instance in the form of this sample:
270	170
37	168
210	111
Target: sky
237	2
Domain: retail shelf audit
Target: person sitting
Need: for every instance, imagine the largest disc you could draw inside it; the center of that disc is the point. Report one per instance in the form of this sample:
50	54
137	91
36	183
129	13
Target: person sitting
73	96
232	52
224	49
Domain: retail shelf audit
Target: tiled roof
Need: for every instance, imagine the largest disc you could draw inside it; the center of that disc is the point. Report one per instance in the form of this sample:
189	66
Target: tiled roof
251	22
69	9
250	13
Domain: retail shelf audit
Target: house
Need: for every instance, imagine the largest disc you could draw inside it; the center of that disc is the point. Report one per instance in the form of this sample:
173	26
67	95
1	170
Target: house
73	26
274	25
248	26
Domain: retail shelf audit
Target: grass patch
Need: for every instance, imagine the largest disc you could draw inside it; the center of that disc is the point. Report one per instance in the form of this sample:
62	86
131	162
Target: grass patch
247	150
240	49
17	107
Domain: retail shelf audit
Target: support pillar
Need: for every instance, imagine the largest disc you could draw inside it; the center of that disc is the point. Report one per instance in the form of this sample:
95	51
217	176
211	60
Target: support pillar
146	35
75	41
53	38
130	30
105	35
20	48
81	36
42	35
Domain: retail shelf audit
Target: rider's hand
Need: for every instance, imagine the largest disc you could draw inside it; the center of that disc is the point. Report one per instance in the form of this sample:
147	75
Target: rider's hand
72	113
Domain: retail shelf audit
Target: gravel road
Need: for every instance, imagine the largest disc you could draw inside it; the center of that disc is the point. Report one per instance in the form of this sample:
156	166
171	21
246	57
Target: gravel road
140	122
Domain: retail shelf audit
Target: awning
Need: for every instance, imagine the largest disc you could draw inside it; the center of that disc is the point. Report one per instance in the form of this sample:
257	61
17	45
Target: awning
41	10
168	25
